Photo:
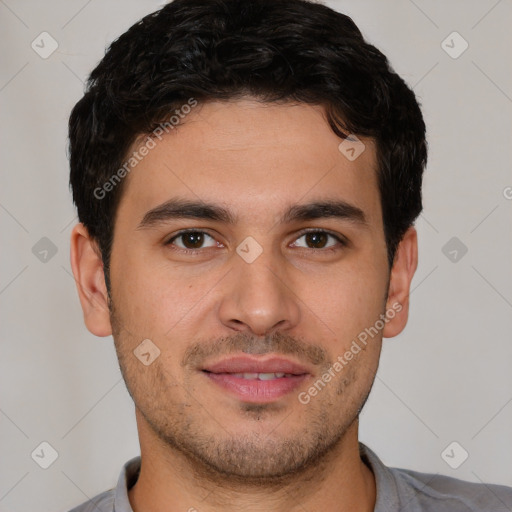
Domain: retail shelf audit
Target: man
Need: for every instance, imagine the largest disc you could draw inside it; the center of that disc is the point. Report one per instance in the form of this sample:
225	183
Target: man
247	175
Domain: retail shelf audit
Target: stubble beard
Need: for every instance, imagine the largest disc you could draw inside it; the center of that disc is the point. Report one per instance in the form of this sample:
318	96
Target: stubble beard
258	458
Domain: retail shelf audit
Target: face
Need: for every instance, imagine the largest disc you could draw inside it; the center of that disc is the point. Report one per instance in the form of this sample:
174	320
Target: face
282	266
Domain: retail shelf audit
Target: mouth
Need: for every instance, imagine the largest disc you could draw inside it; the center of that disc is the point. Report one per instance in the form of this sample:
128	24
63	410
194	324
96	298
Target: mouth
260	376
256	379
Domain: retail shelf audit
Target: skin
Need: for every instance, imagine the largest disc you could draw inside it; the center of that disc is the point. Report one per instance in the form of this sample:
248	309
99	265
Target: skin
202	448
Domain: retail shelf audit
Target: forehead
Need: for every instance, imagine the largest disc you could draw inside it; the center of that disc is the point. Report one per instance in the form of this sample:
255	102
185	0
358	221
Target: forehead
254	157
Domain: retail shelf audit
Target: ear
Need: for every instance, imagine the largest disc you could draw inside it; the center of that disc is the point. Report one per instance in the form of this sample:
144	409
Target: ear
87	267
402	272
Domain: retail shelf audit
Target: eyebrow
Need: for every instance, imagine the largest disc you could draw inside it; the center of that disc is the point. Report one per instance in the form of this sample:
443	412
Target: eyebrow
178	208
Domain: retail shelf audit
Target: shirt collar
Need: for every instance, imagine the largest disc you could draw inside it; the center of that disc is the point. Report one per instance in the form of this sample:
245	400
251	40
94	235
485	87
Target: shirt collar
387	492
127	479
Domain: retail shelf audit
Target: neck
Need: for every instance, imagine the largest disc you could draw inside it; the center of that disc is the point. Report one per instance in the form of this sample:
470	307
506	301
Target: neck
169	480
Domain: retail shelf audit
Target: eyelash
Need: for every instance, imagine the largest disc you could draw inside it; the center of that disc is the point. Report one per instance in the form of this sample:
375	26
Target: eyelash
341	240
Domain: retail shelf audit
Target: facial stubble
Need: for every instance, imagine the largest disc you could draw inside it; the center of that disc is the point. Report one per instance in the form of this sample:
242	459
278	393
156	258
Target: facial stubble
191	429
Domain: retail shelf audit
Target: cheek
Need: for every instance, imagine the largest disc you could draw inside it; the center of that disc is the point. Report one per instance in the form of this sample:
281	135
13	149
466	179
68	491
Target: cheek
157	298
351	299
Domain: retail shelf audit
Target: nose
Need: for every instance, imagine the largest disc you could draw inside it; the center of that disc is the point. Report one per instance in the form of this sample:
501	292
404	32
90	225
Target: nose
259	297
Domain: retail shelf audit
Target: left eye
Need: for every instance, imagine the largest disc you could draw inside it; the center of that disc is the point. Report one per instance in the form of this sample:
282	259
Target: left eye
318	239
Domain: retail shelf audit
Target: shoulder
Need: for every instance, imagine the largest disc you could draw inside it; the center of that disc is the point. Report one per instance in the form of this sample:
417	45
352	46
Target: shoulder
405	489
440	492
104	502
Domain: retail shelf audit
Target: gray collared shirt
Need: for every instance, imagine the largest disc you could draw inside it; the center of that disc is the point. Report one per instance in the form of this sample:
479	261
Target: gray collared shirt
397	490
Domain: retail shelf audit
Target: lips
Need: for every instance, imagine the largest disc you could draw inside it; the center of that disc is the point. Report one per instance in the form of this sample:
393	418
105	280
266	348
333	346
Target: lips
262	376
256	379
245	364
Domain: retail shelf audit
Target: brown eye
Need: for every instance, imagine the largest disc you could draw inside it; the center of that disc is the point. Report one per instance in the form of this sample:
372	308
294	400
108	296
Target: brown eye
191	240
318	240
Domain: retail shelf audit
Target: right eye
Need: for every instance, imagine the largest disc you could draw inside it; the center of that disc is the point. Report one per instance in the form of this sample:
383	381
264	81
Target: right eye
190	241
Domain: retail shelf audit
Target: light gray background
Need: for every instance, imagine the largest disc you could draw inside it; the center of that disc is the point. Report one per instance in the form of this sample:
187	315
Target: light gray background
446	378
